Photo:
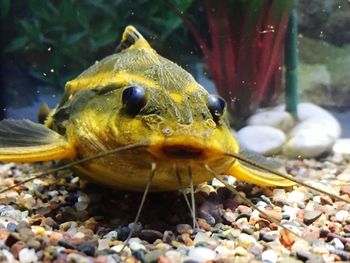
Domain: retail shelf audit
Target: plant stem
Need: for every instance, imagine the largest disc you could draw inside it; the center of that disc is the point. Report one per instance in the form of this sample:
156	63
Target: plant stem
291	62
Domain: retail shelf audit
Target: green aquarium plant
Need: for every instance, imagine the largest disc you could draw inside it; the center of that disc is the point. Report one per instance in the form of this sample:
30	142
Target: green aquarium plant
56	40
291	63
244	49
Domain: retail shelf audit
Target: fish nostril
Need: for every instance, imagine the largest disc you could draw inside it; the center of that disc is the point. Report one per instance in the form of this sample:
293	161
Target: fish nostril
167	131
210	123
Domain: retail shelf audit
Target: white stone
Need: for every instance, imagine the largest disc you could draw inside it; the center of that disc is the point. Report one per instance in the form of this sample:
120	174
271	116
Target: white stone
307	140
315	133
295	197
269	256
261	139
307	110
342	146
290	211
103	243
174	256
337	244
113	235
323	125
74	257
202	254
240	251
27	255
342	215
201	237
126	251
134	246
278	119
223	252
9	257
300	245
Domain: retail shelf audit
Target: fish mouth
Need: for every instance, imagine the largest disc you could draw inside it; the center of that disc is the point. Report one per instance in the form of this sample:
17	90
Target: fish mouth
183	152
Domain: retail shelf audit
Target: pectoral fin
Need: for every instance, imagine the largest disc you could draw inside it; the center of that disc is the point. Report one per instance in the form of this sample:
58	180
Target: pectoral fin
251	174
26	141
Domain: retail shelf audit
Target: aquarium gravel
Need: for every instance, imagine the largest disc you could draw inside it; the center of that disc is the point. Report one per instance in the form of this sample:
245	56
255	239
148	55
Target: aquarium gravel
61	218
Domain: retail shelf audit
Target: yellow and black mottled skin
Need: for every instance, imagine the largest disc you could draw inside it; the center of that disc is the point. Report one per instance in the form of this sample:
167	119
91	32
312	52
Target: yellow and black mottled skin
175	123
175	114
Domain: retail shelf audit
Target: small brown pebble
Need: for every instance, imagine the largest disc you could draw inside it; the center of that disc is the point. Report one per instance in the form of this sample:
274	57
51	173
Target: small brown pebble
17	247
311	216
242	209
342	239
229	216
50	222
33	243
272	213
345	190
22	224
287	239
184	228
163	259
4	233
346	228
326	200
186	239
203	224
26	234
91	223
55	237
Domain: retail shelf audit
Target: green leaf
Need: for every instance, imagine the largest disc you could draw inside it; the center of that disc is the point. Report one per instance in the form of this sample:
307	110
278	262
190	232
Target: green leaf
103	41
72	39
5	8
16	44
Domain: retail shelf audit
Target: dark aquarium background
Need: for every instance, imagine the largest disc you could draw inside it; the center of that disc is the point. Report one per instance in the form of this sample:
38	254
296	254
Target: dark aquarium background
46	43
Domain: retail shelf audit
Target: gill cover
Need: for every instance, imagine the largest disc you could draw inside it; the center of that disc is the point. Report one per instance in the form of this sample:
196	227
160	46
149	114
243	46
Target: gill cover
26	141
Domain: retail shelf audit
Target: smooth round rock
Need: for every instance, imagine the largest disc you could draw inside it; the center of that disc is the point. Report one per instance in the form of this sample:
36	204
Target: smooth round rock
202	254
261	139
337	243
342	146
269	256
246	240
308	111
134	246
174	256
278	119
311	216
27	256
308	139
314	134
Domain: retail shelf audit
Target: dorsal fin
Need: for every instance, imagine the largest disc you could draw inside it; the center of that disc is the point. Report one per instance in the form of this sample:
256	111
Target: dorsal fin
26	141
43	113
132	39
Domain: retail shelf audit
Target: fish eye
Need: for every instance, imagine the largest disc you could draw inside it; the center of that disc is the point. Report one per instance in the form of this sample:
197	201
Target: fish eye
134	99
216	106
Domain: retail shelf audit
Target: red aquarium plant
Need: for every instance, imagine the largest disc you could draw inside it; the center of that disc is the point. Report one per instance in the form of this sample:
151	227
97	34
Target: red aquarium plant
245	50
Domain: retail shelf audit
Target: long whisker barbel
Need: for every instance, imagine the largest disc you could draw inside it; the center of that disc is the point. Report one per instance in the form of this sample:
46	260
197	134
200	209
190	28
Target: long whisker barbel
285	176
192	196
71	164
182	190
149	182
250	203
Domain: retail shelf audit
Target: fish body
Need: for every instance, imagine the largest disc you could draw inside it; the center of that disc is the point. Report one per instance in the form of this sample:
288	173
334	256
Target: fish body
135	96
